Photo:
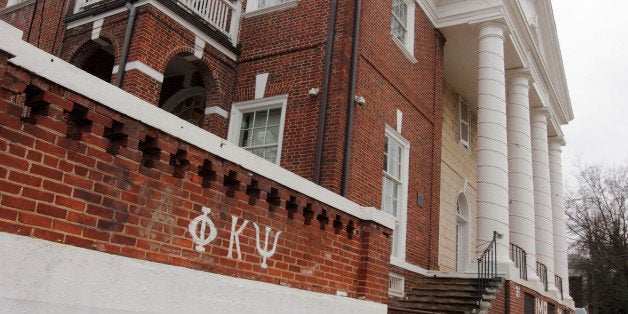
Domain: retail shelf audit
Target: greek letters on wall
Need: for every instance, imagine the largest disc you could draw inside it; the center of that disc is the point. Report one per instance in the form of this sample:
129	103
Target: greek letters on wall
204	231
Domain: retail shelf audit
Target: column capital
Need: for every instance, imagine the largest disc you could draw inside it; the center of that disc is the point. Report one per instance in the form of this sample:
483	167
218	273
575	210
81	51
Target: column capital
556	141
519	74
539	114
490	29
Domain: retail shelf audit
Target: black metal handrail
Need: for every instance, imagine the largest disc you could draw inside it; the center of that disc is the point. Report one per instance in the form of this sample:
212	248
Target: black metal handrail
541	271
487	265
520	258
558	281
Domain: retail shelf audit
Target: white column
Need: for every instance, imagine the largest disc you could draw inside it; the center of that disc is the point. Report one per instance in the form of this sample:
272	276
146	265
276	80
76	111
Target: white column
544	232
492	149
520	183
558	211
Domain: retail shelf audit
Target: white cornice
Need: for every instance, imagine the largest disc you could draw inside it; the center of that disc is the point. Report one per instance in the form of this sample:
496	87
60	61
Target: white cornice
444	14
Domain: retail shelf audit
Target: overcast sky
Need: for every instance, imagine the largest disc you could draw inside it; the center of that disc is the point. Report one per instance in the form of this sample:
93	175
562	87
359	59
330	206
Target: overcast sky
593	38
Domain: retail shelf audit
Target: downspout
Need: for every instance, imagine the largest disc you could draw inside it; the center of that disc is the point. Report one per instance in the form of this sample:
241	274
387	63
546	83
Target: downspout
331	34
127	43
350	100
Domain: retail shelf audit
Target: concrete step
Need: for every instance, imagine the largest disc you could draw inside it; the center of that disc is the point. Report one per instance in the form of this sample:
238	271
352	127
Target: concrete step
447	295
438	307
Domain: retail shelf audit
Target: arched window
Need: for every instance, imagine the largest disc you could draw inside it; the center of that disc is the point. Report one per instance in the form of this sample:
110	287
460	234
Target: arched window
462	232
184	92
187	104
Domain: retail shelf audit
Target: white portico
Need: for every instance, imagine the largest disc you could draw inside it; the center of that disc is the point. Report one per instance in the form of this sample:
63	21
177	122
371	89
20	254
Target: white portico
503	59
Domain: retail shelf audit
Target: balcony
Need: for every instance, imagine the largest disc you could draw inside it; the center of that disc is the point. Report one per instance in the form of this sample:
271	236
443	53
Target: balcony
223	15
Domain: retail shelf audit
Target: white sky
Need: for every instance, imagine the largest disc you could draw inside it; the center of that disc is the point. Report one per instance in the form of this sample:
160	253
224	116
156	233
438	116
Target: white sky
593	38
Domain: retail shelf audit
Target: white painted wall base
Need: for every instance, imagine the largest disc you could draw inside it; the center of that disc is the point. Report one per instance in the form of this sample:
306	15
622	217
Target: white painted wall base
45	277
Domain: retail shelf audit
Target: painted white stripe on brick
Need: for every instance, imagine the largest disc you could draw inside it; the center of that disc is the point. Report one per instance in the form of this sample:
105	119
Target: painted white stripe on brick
45	277
217	110
199	46
97	28
137	65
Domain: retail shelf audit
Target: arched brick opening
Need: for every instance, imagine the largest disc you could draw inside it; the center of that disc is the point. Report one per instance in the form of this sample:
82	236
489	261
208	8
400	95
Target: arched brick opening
96	57
188	88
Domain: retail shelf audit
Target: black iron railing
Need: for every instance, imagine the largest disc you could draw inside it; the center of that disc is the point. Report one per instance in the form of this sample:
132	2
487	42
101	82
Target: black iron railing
559	284
519	257
487	266
541	271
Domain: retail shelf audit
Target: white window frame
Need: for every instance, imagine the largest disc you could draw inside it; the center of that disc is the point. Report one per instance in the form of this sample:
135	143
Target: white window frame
399	234
462	232
14	2
253	9
407	46
464	106
242	107
396	285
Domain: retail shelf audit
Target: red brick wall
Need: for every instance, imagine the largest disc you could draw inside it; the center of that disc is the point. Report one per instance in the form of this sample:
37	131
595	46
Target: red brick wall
389	81
78	173
510	299
41	22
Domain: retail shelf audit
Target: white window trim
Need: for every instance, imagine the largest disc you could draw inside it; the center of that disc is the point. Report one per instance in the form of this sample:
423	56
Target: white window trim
13	5
239	108
396	291
463	220
403	199
407	47
465	143
252	10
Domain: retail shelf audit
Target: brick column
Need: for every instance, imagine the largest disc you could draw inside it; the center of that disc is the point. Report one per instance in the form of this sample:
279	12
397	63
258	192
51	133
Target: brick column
520	183
558	213
374	269
544	231
492	162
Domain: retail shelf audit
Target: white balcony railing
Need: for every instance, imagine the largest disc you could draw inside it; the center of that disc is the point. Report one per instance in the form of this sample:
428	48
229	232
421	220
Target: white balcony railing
80	5
224	15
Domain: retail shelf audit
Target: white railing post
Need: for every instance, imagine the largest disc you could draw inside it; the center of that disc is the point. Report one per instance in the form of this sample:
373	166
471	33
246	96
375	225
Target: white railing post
234	28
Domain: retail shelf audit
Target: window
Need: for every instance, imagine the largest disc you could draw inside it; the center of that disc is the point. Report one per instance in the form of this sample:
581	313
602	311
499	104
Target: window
267	3
395	186
462	232
396	285
14	2
402	26
464	118
257	7
257	126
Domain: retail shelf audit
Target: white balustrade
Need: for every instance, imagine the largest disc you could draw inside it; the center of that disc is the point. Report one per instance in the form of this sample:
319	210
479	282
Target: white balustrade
224	15
81	4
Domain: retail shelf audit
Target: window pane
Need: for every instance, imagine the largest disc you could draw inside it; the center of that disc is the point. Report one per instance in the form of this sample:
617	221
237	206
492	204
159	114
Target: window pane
245	139
260	118
272	135
271	154
399	19
258	137
274	116
246	120
464	132
464	112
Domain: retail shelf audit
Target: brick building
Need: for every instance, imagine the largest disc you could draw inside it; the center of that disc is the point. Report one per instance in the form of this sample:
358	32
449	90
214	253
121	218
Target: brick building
243	141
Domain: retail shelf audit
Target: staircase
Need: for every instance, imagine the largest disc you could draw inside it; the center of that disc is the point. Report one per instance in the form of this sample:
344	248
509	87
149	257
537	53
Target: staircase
447	295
